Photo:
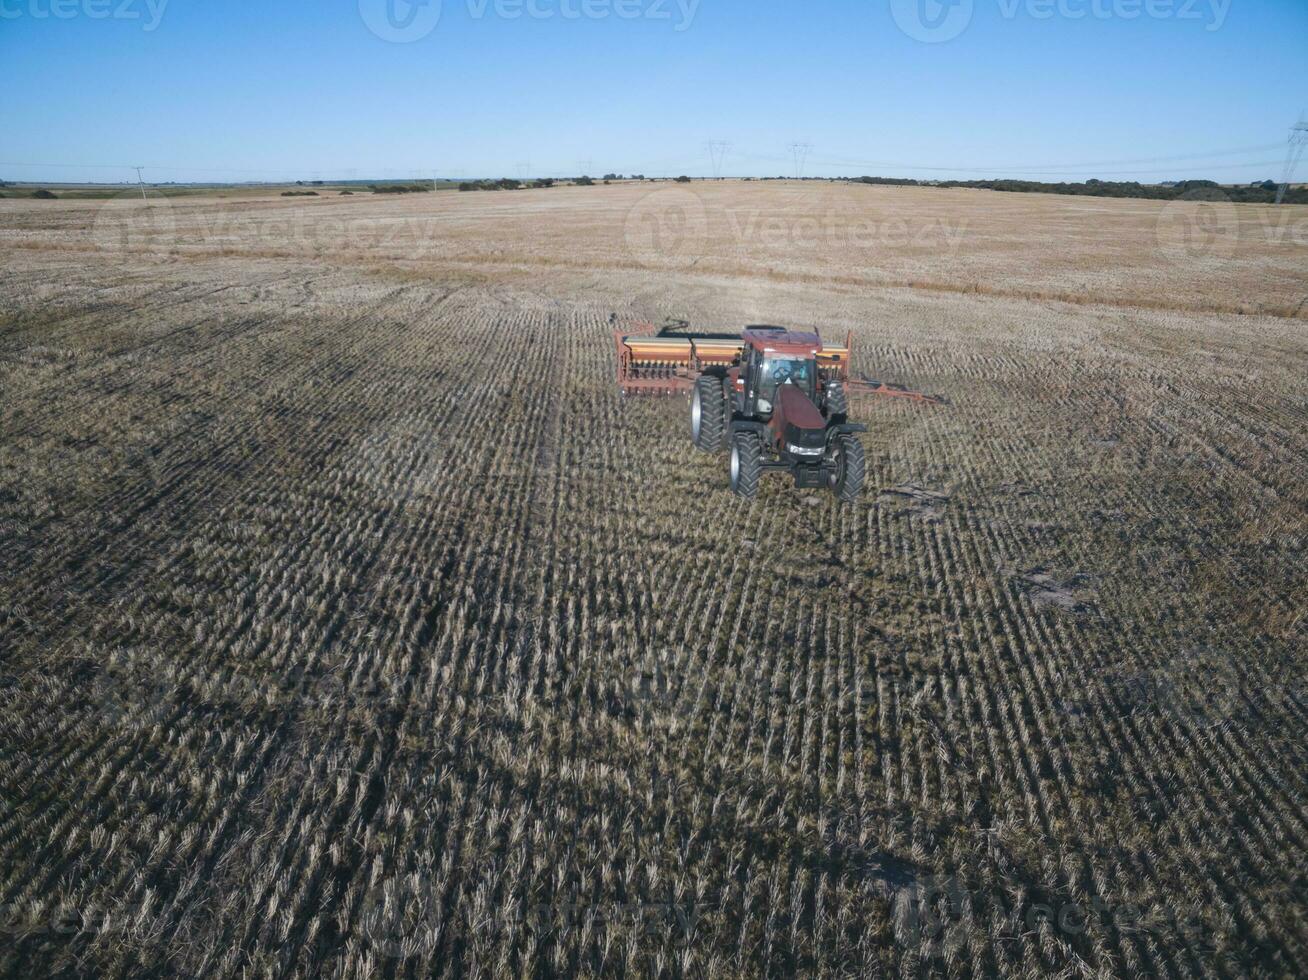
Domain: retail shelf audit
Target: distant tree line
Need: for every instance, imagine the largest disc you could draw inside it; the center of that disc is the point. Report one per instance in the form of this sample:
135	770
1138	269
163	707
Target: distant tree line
504	184
1259	192
417	187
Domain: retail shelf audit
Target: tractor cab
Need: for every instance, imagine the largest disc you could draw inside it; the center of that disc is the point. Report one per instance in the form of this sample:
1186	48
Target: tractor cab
773	357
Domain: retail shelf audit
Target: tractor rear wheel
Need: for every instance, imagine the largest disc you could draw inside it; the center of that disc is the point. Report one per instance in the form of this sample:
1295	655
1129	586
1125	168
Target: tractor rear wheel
708	413
746	465
846	479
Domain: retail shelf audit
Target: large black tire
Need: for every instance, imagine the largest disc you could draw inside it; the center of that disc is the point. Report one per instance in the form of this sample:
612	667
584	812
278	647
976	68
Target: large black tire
746	465
837	401
708	414
846	482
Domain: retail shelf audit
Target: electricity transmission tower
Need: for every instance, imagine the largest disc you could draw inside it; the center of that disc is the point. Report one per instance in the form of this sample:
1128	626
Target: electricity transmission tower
140	181
717	150
524	169
800	150
586	167
1298	140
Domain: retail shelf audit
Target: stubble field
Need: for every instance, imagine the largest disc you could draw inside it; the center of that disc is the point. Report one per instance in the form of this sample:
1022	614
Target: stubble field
352	624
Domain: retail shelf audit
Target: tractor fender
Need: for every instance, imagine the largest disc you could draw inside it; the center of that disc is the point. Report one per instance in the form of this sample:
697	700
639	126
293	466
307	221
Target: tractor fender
844	428
748	425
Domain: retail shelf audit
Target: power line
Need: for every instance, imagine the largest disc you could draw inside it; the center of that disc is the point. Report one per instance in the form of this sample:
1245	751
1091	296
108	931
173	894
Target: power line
799	156
1052	168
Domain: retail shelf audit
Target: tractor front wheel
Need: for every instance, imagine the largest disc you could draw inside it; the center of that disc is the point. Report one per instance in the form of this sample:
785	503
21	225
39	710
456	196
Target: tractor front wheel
746	465
848	468
708	413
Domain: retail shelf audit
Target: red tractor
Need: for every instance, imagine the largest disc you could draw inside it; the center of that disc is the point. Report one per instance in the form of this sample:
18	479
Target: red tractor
776	398
774	411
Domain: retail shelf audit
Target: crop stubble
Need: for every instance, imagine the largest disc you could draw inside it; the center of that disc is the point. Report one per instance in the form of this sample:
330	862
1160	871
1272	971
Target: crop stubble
352	621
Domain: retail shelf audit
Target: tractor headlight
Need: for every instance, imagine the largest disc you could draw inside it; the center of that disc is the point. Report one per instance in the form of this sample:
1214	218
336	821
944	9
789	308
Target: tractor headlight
804	450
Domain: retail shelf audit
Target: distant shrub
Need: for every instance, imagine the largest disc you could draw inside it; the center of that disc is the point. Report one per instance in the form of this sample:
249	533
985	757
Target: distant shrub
892	181
347	193
299	193
683	179
543	182
401	188
44	195
507	184
584	182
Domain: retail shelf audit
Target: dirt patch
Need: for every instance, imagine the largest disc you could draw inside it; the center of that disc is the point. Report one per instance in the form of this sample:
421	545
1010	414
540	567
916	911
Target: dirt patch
1044	589
916	501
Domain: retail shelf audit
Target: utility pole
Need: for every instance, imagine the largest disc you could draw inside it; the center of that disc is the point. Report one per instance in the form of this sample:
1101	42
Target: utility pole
1298	139
140	181
800	150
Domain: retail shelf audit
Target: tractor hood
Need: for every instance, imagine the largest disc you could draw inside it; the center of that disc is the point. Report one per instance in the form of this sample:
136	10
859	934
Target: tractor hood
795	409
796	420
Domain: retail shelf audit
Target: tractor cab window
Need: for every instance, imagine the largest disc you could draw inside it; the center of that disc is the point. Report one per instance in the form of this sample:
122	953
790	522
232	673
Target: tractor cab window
777	371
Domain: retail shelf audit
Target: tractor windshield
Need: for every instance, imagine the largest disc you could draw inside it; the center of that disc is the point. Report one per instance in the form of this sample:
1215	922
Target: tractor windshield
785	370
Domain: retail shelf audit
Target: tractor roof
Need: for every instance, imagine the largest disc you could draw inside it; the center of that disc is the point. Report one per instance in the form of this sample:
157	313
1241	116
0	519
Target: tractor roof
779	340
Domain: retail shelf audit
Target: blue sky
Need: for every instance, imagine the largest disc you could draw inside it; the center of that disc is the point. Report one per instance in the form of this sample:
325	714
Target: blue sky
1050	89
